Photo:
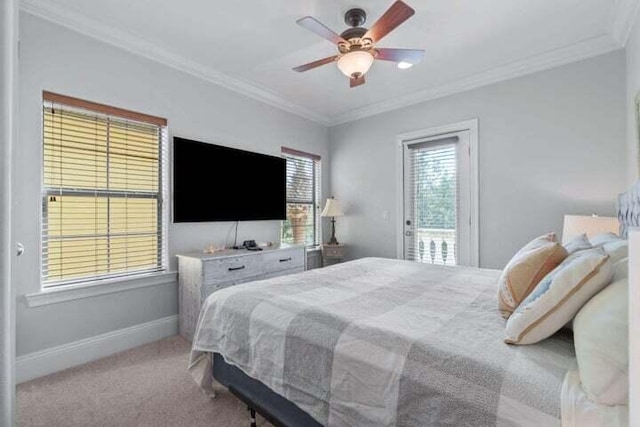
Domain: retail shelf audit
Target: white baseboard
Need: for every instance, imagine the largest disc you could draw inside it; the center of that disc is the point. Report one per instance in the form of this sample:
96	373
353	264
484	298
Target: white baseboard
45	362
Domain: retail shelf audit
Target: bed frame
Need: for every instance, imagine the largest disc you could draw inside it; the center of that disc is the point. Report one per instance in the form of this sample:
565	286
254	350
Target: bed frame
282	412
260	398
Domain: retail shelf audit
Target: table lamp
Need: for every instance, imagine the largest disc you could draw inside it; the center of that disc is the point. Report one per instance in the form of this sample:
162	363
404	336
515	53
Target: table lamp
591	225
332	209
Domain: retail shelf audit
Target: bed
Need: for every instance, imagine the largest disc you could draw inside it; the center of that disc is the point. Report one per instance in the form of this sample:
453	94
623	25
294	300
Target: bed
382	342
378	342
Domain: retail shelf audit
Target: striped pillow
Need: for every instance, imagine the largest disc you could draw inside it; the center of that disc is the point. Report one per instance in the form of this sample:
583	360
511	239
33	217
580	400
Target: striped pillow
521	275
559	296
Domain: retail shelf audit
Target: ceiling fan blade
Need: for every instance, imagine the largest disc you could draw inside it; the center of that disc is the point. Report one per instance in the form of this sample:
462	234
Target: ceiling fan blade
356	82
316	64
392	18
412	56
317	27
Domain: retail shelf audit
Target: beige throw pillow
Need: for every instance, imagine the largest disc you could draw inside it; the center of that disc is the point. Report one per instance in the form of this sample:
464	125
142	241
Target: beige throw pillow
525	270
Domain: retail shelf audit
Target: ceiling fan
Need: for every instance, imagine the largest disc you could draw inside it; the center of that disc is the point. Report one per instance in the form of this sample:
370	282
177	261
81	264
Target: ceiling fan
357	45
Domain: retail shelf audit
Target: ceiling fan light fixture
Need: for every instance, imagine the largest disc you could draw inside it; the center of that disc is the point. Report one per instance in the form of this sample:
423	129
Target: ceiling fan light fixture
404	65
355	64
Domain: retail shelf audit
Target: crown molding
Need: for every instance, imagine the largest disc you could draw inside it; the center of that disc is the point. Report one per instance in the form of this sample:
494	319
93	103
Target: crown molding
107	34
555	58
625	16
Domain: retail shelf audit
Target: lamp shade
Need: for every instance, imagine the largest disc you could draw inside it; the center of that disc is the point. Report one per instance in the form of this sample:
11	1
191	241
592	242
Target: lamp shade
574	225
332	208
355	64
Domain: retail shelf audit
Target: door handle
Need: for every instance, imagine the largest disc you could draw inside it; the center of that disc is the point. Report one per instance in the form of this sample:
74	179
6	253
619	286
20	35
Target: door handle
19	248
236	268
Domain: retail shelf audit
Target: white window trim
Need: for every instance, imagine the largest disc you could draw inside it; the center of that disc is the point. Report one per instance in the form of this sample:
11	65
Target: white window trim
468	125
94	288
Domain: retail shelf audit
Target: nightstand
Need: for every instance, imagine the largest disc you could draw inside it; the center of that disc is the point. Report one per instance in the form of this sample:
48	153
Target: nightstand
332	254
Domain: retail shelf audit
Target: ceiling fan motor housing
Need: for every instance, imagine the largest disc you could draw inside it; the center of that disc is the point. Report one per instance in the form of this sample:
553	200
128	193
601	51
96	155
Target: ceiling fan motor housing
353	33
354	18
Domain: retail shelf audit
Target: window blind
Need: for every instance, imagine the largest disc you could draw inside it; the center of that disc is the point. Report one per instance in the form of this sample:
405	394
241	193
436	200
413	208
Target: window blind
103	184
302	225
433	183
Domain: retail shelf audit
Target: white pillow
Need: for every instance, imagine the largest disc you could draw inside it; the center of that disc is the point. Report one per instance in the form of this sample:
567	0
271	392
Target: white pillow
578	243
600	332
620	270
601	239
617	250
559	296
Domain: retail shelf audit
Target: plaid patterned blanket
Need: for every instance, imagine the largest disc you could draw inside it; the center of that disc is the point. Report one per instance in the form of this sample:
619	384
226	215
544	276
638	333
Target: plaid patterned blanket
381	342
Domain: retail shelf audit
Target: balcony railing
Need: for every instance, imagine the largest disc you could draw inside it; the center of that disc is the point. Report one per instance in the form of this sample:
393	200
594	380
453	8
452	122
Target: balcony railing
435	246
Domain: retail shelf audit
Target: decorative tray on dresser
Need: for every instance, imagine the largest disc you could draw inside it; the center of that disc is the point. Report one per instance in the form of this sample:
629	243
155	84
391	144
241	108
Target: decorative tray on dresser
200	274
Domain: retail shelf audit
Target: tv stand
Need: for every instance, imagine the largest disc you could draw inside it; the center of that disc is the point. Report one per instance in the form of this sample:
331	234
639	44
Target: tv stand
200	274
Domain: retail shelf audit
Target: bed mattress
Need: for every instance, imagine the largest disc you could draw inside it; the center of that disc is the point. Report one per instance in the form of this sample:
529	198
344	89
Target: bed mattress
382	342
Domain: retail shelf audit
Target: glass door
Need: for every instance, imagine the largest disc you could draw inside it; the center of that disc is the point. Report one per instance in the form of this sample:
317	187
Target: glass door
436	199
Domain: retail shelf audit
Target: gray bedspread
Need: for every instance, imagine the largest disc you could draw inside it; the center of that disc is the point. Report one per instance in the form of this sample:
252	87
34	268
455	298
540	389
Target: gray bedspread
379	342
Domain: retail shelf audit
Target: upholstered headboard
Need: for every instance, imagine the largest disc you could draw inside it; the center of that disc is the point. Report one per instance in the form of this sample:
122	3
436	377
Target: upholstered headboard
629	209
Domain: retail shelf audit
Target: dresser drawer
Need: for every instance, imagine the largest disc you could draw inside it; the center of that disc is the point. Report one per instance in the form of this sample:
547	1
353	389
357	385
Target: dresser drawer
232	268
283	260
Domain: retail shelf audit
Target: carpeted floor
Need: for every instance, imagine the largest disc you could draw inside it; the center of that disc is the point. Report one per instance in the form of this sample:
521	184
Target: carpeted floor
145	386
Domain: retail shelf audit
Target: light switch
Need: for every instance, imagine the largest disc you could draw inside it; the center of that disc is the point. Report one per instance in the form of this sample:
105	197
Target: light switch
385	215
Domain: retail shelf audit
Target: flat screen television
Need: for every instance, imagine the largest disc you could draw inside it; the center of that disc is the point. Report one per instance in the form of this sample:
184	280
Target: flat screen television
216	183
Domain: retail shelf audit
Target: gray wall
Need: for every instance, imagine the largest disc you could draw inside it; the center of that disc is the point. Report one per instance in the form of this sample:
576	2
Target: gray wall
56	59
550	144
633	89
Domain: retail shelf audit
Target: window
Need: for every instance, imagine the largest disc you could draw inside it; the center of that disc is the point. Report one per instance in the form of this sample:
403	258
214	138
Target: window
302	225
103	192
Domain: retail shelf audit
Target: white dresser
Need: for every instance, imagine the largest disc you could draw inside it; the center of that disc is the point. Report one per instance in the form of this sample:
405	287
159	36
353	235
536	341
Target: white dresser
200	274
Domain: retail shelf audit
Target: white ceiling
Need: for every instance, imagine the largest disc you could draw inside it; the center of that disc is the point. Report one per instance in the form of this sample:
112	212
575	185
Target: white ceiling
251	46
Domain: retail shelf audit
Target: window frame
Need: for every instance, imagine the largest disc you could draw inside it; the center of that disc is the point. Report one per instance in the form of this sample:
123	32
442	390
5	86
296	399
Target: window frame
317	193
113	280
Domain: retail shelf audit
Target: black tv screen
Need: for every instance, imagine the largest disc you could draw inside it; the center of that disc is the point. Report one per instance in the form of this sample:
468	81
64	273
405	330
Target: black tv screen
215	183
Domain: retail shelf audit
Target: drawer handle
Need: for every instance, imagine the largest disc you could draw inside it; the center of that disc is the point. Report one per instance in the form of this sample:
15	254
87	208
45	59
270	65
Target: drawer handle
285	259
236	268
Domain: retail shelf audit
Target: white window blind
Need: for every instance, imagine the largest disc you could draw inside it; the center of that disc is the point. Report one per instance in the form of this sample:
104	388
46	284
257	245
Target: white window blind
103	182
302	225
432	202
